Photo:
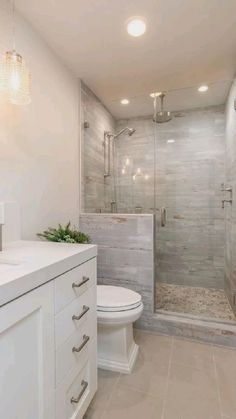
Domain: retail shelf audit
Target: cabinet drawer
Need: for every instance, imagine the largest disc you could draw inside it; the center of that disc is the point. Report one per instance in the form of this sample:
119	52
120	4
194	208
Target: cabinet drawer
70	354
75	393
85	310
74	283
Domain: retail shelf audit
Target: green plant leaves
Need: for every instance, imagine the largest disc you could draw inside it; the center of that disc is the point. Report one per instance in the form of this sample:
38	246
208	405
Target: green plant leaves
64	234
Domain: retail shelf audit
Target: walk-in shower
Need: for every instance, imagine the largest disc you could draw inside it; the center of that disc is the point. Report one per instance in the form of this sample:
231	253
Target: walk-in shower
173	167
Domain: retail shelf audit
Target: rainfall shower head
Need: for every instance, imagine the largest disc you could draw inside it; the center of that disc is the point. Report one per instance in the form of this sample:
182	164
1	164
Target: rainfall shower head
162	115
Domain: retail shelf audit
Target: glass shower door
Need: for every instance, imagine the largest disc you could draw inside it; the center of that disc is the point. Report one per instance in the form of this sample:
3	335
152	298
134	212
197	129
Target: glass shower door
190	247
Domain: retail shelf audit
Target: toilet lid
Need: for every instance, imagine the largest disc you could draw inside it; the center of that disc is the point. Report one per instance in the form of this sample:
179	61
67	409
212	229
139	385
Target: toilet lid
111	298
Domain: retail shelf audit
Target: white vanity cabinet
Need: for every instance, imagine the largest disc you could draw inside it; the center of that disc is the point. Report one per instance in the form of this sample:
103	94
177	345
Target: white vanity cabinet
76	340
27	356
48	347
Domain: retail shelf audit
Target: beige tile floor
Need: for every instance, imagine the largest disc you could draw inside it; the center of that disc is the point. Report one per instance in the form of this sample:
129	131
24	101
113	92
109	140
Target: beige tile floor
173	379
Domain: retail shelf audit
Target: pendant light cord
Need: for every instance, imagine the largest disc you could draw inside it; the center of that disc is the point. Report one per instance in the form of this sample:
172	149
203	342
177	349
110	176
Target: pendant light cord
13	26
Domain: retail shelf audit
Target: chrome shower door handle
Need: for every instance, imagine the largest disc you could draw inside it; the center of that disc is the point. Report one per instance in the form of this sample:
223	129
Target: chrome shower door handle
163	216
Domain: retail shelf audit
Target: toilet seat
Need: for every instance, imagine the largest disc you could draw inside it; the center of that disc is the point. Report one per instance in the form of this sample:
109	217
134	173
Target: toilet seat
116	299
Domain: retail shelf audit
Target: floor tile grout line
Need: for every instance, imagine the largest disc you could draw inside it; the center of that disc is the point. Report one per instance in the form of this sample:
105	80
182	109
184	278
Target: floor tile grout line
168	377
188	365
110	396
137	390
217	384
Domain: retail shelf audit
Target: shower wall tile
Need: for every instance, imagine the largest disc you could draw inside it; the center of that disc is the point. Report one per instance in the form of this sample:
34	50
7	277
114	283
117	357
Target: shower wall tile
189	173
125	253
230	210
95	190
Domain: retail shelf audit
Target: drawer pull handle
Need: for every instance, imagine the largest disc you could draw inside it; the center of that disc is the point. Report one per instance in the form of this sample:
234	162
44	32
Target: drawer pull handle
85	340
84	280
85	310
84	384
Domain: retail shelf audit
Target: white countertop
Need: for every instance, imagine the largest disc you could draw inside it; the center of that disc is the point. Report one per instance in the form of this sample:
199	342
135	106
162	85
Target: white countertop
25	265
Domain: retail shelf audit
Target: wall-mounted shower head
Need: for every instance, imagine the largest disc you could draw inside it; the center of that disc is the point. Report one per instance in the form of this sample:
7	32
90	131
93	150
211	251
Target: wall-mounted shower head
129	131
162	115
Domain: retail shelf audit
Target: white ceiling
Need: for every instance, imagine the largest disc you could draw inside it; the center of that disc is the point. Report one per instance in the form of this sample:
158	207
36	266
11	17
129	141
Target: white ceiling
175	100
188	42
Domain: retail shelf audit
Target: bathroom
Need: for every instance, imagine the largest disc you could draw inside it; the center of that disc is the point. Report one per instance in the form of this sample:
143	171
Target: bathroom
125	128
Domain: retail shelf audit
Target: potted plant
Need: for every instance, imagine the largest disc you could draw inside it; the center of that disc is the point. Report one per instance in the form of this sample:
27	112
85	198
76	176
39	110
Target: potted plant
64	234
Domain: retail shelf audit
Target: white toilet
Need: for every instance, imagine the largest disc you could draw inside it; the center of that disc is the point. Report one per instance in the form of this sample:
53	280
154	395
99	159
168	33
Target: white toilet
117	309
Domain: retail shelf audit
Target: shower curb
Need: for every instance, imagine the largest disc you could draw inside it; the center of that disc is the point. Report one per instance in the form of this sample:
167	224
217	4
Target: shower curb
207	331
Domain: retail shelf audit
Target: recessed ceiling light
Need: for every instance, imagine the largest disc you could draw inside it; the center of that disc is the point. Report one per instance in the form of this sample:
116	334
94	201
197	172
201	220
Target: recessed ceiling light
124	101
136	26
203	88
171	141
155	94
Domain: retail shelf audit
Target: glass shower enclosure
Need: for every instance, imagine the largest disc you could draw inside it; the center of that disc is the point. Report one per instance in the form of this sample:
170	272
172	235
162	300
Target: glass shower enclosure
172	165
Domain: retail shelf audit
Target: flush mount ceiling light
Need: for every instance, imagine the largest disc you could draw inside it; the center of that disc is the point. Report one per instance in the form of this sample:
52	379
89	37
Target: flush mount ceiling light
14	74
136	26
155	94
124	101
203	88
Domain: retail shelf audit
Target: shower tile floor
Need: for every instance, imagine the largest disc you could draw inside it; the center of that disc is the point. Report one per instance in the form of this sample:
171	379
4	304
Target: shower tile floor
196	301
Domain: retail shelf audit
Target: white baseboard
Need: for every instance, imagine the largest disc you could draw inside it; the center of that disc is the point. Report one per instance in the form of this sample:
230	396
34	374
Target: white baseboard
122	367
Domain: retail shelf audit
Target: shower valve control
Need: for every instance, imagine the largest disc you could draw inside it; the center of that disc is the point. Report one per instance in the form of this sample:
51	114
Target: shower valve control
229	189
226	200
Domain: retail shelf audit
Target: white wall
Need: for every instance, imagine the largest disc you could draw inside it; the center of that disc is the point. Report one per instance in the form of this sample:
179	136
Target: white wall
39	147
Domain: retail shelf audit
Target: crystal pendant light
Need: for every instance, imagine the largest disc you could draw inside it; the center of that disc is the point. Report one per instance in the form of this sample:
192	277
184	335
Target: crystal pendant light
14	74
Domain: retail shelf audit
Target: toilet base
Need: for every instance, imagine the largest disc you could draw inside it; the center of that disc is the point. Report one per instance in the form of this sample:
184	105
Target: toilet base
117	350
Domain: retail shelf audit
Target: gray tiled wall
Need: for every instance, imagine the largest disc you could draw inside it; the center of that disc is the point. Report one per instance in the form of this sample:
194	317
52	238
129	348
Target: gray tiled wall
125	253
97	192
230	211
189	172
